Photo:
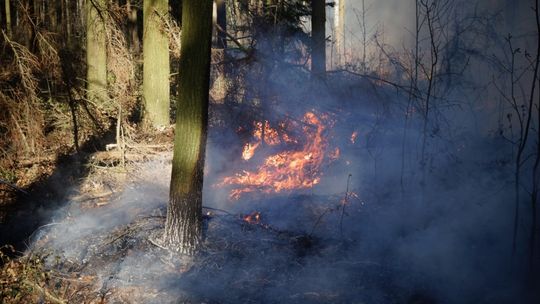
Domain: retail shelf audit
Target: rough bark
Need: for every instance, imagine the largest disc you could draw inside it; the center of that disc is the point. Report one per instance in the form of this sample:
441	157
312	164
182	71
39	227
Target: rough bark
318	38
96	51
156	70
183	227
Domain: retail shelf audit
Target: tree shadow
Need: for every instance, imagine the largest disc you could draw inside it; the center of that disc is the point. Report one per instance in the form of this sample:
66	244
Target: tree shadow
44	197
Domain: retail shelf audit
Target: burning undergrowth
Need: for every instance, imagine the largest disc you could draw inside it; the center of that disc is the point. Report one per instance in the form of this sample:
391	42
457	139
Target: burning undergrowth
297	165
108	252
302	206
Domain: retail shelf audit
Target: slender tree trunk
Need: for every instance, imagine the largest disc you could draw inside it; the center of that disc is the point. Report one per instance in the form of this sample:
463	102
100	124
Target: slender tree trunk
183	227
523	140
434	50
68	22
412	94
221	21
364	36
318	38
53	16
63	17
96	51
416	44
339	25
535	177
82	12
35	5
156	70
133	36
26	31
8	18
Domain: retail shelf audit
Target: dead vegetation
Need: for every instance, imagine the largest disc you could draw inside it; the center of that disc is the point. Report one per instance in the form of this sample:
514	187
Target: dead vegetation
44	111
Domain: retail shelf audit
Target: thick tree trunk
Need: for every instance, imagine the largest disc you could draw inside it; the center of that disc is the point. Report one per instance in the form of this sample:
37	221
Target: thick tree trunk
183	227
318	39
156	70
96	51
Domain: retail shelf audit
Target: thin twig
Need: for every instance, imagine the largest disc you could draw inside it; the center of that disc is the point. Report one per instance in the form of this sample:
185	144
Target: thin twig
345	202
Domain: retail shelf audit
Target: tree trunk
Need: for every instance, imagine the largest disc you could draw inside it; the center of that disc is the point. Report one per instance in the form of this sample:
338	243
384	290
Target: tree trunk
68	22
183	227
8	18
96	51
52	11
318	38
339	29
133	36
364	36
221	21
156	70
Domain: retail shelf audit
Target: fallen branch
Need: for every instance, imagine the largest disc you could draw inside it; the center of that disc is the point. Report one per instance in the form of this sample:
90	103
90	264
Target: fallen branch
86	197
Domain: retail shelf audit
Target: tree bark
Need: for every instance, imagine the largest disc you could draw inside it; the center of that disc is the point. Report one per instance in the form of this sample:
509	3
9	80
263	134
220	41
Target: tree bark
183	227
318	38
339	29
133	36
156	70
68	23
96	51
8	18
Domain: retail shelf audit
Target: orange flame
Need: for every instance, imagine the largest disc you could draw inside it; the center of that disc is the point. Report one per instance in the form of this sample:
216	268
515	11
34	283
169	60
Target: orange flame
252	218
249	150
353	137
284	171
335	154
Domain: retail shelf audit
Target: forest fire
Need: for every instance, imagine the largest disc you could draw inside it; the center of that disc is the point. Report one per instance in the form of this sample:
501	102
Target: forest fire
288	170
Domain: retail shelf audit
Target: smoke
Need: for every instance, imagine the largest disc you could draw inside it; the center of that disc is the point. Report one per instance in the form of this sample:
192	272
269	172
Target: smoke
446	243
380	227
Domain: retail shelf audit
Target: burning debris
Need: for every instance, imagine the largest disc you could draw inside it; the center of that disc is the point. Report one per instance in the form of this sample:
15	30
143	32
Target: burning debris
249	150
354	135
293	169
252	218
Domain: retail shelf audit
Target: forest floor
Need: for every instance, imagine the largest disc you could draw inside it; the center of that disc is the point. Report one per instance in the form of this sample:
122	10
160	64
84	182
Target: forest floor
91	241
336	241
98	248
